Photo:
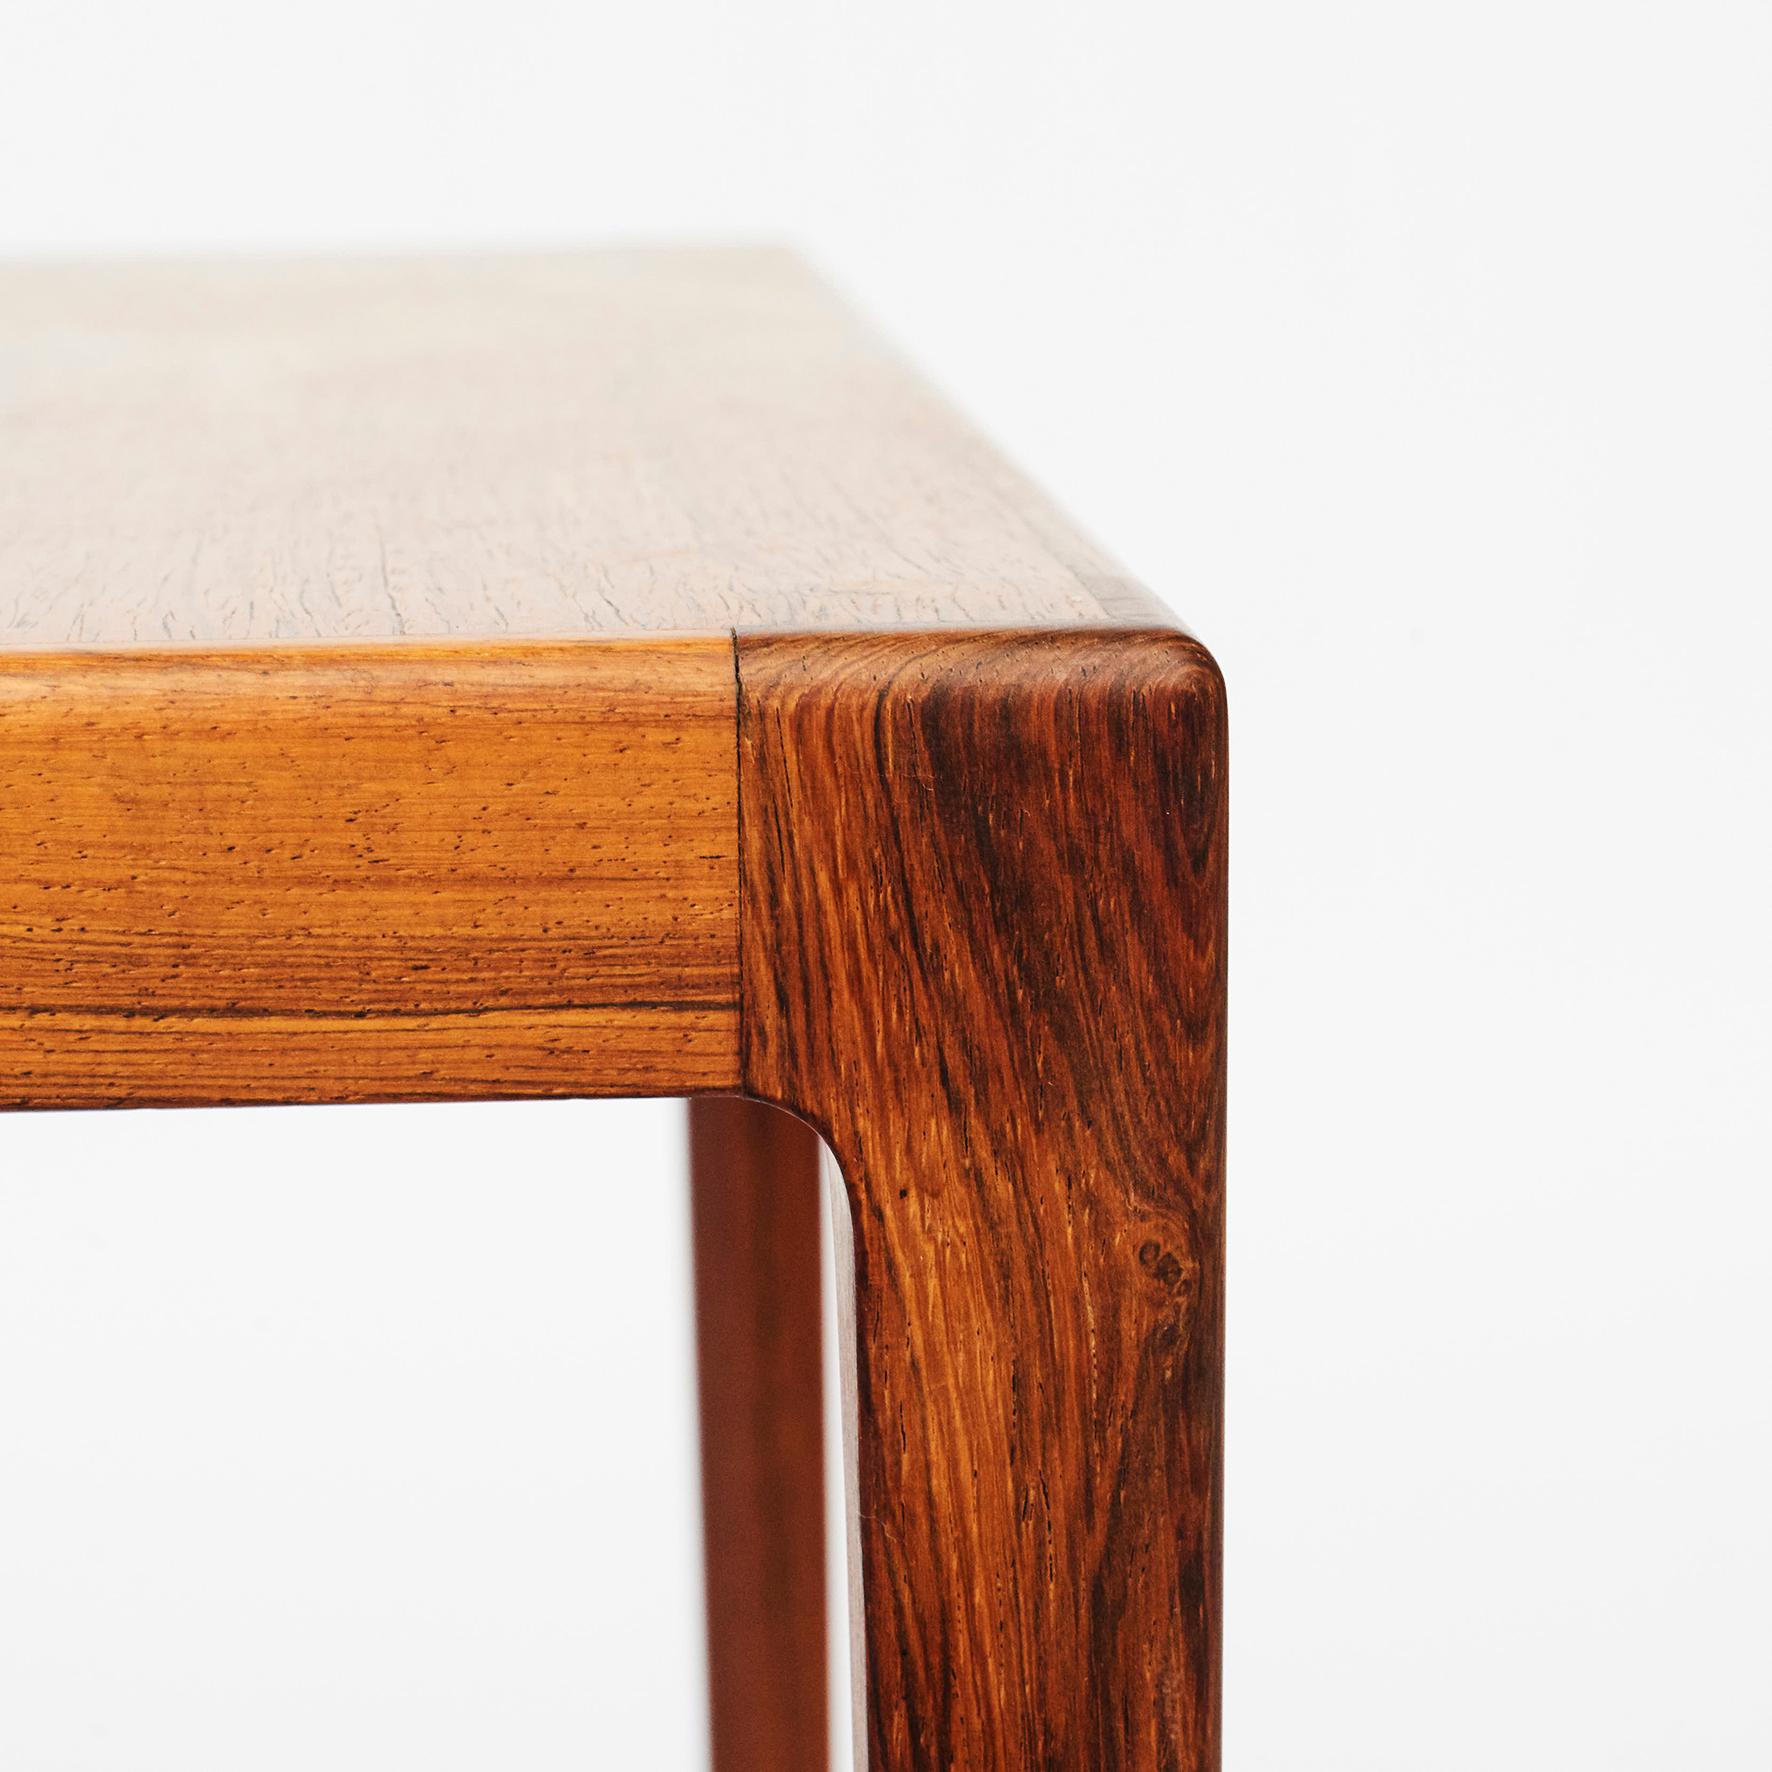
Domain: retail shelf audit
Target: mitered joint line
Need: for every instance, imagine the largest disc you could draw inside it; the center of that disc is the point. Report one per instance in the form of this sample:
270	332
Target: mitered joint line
738	908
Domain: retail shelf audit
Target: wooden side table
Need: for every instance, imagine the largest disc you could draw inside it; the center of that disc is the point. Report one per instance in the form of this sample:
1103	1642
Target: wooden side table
614	675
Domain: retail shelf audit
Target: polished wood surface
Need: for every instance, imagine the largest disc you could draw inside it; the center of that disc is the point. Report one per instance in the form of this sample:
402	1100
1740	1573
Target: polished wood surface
240	453
382	873
983	950
754	1182
616	674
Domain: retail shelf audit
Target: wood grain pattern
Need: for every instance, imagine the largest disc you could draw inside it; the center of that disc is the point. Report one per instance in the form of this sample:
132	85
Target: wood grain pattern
331	769
983	950
754	1181
368	873
240	453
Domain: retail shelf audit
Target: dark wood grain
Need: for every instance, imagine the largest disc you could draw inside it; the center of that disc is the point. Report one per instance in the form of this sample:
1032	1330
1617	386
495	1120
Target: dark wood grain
754	1181
376	872
327	773
983	890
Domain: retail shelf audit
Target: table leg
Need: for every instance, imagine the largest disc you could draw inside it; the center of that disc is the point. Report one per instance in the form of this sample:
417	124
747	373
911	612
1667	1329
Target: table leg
983	951
754	1176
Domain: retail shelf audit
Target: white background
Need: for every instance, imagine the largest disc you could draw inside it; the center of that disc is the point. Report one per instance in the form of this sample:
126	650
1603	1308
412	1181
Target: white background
1421	356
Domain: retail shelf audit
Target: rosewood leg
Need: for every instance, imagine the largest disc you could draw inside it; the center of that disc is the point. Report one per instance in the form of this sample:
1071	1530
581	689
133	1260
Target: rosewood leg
983	949
754	1177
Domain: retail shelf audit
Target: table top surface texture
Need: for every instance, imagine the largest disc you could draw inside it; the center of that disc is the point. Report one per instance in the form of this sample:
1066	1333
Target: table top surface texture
577	446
